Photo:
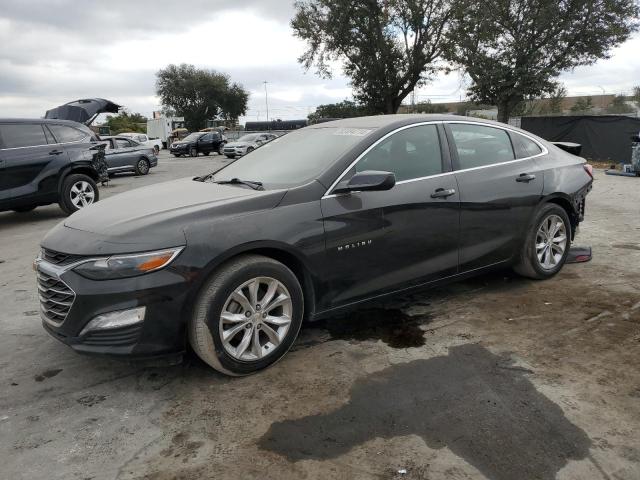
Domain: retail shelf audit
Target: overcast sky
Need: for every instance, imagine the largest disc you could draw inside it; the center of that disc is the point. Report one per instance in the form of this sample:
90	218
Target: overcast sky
55	51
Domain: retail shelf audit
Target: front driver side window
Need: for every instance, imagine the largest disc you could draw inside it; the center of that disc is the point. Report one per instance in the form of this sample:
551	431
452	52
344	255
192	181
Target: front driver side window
410	153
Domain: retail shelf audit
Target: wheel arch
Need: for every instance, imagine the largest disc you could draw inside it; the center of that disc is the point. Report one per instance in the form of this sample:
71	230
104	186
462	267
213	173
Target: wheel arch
280	252
81	169
563	200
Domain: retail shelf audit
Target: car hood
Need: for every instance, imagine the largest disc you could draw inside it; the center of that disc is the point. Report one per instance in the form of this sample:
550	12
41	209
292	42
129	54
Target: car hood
238	144
153	217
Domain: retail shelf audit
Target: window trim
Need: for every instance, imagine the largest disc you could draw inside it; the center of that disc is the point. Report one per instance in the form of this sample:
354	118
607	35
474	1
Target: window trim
45	125
82	140
507	129
42	126
328	193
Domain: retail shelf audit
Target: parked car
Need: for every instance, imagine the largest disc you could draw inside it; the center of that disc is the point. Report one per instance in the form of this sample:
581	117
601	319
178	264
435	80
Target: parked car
314	222
143	139
47	161
247	144
125	155
199	142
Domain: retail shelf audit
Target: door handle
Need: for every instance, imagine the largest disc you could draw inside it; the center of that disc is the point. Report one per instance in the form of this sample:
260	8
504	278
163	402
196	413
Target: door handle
525	177
442	193
56	152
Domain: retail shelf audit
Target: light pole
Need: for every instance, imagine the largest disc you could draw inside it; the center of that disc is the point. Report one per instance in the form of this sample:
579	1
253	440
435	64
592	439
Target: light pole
603	94
266	100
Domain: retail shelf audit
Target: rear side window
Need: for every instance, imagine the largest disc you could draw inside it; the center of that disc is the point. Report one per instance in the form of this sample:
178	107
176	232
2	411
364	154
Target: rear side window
122	143
15	135
525	147
478	145
411	153
66	134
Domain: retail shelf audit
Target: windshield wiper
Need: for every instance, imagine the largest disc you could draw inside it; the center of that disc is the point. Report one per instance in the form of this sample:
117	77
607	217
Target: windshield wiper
237	181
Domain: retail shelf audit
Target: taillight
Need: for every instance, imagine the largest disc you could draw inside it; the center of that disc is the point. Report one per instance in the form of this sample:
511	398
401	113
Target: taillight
589	169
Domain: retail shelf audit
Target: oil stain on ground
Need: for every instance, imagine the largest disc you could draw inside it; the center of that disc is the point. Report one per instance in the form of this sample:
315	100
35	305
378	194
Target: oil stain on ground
392	326
467	401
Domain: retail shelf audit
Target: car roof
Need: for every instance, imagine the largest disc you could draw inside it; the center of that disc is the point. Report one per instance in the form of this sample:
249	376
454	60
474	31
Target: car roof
71	123
382	121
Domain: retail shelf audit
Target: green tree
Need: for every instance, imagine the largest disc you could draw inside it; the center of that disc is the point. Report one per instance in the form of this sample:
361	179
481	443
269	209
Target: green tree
344	109
127	122
619	105
583	105
387	47
428	107
556	99
199	94
636	96
514	49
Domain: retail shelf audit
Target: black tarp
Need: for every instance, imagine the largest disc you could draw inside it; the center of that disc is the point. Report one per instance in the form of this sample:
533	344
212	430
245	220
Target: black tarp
83	111
604	138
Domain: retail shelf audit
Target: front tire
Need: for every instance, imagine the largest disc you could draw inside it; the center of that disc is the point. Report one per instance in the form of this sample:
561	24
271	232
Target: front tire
78	191
193	152
546	245
247	315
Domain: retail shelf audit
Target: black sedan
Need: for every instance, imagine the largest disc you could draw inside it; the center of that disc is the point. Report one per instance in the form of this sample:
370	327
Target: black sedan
315	222
125	155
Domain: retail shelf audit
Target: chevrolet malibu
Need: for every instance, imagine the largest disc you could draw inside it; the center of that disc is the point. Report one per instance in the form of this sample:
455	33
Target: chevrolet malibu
312	223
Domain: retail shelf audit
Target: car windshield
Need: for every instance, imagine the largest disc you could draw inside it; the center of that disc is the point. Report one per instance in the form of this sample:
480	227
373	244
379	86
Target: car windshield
192	136
248	138
293	159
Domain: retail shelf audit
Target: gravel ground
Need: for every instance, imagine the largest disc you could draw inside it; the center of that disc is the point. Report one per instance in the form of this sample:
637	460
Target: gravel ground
496	377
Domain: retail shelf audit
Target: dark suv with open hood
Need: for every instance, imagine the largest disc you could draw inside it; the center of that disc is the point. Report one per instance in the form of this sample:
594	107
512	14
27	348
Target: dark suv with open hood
44	161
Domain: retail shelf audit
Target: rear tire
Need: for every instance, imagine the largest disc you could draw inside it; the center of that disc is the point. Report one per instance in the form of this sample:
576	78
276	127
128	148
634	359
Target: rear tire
546	244
206	154
212	338
78	191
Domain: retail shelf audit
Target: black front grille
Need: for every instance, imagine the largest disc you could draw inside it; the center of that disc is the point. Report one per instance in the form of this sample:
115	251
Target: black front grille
59	258
56	298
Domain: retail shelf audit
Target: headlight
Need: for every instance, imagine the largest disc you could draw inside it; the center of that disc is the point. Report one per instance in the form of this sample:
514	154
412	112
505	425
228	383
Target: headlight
123	266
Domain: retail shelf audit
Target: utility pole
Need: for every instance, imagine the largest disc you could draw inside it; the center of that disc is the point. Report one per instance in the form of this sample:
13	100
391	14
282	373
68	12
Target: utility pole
266	100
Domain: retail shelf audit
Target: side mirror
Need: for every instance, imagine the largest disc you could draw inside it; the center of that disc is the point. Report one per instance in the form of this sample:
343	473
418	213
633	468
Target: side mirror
367	181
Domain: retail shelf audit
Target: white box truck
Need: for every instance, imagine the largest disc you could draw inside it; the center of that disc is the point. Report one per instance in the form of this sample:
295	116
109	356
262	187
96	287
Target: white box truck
162	127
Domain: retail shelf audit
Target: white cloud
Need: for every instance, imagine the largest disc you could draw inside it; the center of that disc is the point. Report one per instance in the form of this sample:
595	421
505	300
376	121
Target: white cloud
55	51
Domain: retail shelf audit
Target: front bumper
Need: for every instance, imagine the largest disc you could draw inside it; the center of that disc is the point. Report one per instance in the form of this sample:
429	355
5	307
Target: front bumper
68	302
235	151
179	150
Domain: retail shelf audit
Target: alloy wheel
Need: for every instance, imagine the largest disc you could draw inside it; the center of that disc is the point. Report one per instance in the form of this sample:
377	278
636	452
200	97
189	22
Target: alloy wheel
255	319
551	242
82	194
143	166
